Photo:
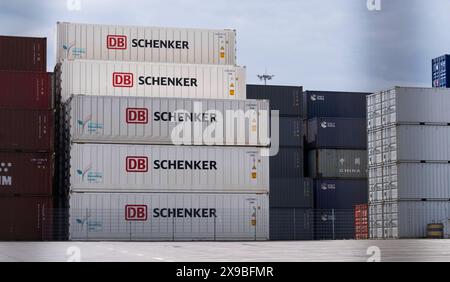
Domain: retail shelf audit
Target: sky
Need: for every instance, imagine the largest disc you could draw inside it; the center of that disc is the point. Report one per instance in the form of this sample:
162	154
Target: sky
338	45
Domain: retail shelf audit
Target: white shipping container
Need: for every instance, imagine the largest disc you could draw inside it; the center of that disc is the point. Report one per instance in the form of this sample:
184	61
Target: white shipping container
169	216
409	181
153	168
105	119
108	78
403	105
145	44
407	219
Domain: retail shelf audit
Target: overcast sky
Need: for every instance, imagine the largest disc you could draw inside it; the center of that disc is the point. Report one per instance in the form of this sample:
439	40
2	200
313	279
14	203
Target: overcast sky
320	44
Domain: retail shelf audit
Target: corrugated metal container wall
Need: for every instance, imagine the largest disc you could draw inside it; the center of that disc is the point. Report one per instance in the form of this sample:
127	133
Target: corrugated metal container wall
290	132
26	173
407	219
146	44
23	54
135	168
332	224
169	216
339	194
108	78
25	218
409	181
337	163
335	104
337	133
36	134
440	69
286	99
408	105
26	90
291	224
101	119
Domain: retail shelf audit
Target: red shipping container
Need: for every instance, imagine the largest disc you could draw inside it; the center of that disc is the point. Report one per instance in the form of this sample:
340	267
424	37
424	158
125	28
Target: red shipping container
26	174
26	90
362	222
23	53
26	218
27	130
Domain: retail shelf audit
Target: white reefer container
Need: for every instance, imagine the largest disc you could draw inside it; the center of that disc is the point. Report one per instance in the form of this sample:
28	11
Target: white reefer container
155	168
407	219
406	105
169	216
109	78
409	181
133	120
146	44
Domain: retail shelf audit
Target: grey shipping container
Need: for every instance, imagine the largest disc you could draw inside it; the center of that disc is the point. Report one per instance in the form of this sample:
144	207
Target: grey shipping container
291	224
287	100
325	163
290	132
339	194
337	133
335	104
169	216
138	120
407	219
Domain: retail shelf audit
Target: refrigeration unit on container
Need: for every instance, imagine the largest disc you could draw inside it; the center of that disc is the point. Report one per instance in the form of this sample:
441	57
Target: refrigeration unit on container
288	224
105	119
407	219
337	133
409	181
26	130
408	105
26	90
26	174
155	168
145	44
335	104
111	78
26	218
169	216
328	163
339	194
288	187
441	71
286	99
23	54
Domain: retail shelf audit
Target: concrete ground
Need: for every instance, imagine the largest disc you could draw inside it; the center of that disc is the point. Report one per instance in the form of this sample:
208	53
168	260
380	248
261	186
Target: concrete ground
407	250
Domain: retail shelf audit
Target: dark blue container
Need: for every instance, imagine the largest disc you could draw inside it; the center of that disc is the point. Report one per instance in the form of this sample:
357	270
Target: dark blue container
291	224
290	193
334	224
288	163
441	71
286	99
340	194
290	132
337	133
335	104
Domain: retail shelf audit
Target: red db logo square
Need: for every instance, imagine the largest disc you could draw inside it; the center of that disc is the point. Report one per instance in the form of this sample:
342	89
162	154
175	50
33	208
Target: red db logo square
116	42
136	213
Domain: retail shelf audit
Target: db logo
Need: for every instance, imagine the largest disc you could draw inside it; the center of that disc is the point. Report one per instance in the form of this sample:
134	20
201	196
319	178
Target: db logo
122	79
137	116
136	213
116	42
137	164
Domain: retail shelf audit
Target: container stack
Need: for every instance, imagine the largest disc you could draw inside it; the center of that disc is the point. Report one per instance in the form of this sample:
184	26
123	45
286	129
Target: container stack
139	107
441	71
409	162
291	200
26	140
336	151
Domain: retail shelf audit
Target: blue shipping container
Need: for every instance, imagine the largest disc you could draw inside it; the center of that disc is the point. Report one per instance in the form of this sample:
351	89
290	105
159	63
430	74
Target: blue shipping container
335	104
337	133
441	71
286	99
334	224
340	194
290	193
290	132
291	224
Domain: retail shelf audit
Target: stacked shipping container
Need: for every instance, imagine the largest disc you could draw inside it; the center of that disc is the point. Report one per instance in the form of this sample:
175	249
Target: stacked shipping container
26	140
441	71
336	144
409	162
127	179
290	199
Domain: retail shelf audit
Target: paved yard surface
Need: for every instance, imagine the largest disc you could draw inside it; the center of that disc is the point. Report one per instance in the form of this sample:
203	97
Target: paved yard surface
408	250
